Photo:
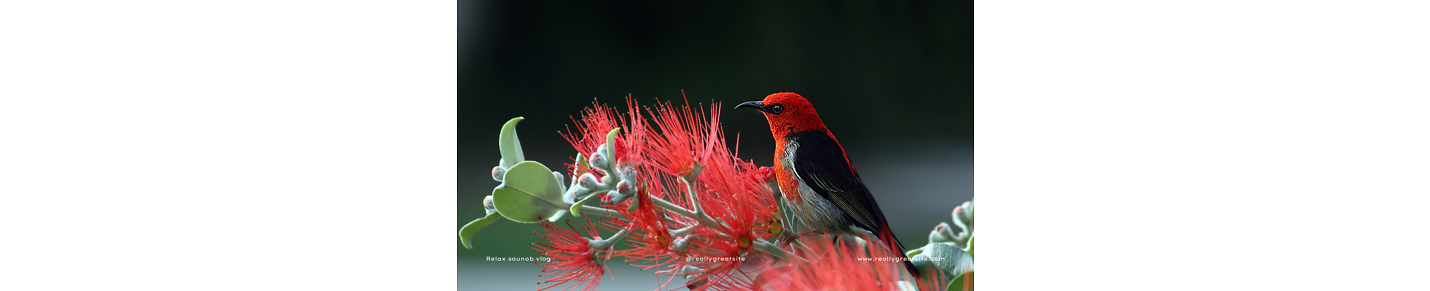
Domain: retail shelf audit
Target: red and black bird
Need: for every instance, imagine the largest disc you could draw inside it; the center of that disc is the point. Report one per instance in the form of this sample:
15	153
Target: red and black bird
818	183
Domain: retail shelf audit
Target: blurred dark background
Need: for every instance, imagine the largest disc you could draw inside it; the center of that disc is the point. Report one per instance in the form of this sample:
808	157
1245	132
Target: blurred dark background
893	81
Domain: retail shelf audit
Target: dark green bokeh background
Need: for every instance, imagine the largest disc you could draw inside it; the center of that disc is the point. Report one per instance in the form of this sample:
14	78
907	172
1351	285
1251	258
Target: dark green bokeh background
893	80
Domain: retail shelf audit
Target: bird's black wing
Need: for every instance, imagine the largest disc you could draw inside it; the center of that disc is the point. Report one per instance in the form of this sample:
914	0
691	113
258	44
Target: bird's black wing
821	163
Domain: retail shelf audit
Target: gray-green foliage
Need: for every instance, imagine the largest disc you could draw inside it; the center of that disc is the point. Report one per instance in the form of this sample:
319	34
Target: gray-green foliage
950	247
530	192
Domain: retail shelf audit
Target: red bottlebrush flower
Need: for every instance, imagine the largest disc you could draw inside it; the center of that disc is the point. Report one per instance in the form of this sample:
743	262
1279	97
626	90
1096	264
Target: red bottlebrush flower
726	263
597	121
572	258
685	141
842	265
649	241
763	174
730	191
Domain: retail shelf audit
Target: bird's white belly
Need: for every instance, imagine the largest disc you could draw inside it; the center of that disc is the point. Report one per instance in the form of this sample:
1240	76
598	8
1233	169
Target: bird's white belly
816	213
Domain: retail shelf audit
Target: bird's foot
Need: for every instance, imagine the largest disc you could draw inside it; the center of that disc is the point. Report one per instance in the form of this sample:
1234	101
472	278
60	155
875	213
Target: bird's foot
787	237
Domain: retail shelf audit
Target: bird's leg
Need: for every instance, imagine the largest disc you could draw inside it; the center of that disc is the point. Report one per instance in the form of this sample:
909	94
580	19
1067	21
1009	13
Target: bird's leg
786	237
848	237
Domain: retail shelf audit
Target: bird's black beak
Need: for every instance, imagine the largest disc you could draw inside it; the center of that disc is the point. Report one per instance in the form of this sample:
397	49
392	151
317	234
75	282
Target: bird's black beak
756	104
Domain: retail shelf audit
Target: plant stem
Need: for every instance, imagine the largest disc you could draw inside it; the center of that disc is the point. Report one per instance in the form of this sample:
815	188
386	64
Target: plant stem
602	211
619	234
771	249
671	206
683	231
697	213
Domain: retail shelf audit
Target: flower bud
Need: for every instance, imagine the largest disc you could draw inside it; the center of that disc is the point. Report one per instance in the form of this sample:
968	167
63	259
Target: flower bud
764	174
626	188
615	197
693	278
941	234
497	173
964	212
963	217
560	179
588	181
599	162
581	192
680	244
489	205
599	159
628	174
968	214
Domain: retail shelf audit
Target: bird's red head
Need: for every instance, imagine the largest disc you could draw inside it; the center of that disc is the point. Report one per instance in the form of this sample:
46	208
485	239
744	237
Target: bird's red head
787	113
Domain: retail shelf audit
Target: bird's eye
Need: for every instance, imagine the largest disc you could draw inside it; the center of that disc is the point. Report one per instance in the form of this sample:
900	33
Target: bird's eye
777	109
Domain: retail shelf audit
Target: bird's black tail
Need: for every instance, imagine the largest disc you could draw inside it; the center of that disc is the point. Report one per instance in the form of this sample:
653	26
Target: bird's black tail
913	270
888	237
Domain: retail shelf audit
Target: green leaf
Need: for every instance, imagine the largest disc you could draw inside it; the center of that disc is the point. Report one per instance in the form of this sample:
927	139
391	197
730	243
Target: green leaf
510	145
948	258
576	208
958	282
529	193
581	167
472	227
611	146
914	252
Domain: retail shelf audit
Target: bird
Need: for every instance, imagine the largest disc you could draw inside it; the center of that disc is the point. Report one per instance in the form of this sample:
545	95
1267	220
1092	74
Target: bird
815	177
